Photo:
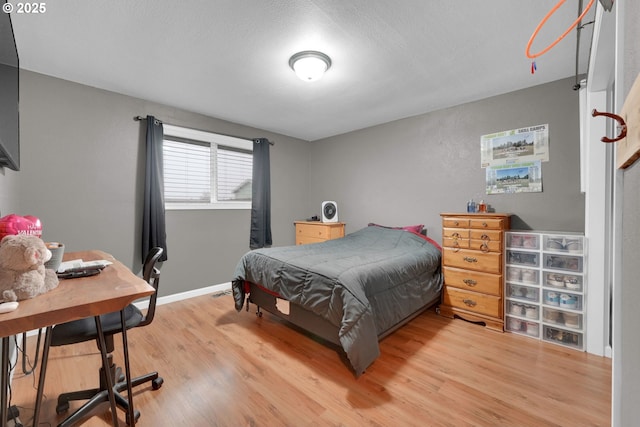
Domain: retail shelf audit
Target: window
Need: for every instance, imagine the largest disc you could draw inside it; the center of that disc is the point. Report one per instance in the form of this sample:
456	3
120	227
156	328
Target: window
204	170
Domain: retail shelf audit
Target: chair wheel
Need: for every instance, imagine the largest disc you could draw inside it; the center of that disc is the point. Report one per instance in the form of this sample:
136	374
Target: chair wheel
157	383
136	415
62	408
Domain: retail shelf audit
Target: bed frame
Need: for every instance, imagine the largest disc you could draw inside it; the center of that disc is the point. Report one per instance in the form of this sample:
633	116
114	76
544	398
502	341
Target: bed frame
311	322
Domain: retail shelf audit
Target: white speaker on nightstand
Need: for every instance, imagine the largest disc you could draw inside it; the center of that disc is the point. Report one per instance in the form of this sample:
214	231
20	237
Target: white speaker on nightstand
329	211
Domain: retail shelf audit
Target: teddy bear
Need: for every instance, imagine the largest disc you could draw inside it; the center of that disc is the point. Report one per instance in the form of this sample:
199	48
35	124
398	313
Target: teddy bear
22	271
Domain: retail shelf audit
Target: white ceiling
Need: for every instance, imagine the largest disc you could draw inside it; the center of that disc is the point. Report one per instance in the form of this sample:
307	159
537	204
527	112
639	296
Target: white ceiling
229	58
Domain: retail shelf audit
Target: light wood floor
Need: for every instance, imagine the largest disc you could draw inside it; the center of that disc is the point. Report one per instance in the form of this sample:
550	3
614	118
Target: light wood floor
223	368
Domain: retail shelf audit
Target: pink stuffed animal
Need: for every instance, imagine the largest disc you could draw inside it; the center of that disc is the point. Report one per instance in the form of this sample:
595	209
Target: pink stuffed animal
22	271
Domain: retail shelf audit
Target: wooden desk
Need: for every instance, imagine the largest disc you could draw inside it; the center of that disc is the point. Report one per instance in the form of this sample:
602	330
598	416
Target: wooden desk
111	290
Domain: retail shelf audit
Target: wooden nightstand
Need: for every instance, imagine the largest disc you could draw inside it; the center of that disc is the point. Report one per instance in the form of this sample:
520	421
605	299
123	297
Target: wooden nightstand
473	265
315	231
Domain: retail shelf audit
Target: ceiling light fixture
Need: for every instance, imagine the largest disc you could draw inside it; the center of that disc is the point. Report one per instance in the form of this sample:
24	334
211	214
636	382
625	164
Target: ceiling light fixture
310	65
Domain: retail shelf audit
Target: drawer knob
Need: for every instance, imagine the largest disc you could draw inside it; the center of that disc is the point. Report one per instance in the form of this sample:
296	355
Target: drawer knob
484	224
470	259
469	302
456	223
484	247
485	237
470	282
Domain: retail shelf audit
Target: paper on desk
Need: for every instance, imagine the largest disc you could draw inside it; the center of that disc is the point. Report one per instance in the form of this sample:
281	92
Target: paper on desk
79	263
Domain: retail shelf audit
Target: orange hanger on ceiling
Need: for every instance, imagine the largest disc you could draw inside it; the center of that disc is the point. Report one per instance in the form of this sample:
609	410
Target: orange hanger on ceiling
544	20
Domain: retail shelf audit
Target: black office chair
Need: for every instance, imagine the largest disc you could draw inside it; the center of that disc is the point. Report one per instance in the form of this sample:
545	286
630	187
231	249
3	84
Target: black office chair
85	330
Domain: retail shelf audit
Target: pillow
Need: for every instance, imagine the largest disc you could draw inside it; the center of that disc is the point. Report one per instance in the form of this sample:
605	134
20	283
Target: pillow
412	228
415	229
433	242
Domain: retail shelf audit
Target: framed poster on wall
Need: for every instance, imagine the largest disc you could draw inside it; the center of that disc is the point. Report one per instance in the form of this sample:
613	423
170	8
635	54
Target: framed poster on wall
515	146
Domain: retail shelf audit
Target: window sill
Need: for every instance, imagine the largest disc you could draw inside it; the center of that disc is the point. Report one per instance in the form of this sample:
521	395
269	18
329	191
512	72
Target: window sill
207	206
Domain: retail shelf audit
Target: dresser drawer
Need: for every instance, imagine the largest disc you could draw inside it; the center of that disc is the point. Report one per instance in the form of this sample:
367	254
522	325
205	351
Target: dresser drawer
457	233
455	243
488	305
487	262
473	281
487	223
487	235
455	238
485	245
454	222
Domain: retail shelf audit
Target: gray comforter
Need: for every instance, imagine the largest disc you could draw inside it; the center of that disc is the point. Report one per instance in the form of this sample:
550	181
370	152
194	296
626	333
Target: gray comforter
364	283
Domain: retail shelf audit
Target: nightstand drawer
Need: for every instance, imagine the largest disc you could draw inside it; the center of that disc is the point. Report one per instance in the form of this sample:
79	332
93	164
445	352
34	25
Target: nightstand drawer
488	305
473	281
487	262
316	231
305	240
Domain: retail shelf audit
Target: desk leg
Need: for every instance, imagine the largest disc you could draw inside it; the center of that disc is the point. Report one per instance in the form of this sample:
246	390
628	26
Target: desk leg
43	373
125	347
105	364
4	380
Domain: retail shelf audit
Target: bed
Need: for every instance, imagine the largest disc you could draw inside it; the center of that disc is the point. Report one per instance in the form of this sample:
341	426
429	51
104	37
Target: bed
351	291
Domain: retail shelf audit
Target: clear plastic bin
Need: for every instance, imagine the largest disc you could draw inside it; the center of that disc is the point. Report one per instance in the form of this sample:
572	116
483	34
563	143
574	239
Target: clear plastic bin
523	240
529	259
562	336
522	326
562	300
571	282
524	293
564	243
522	275
563	262
562	318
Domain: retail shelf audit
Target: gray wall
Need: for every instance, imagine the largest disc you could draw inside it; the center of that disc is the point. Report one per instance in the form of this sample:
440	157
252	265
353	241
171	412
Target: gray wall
82	156
82	175
626	338
409	171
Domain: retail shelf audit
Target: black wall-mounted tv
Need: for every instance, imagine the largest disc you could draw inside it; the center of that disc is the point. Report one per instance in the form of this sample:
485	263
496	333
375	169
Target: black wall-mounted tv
9	95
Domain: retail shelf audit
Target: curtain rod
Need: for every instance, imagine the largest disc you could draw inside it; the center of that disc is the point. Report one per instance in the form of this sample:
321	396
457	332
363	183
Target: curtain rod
140	118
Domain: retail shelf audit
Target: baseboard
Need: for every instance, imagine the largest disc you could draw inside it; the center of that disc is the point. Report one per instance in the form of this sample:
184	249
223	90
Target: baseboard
186	295
175	297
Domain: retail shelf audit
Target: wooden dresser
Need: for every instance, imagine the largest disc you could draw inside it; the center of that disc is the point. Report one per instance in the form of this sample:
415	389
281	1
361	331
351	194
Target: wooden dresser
315	231
473	265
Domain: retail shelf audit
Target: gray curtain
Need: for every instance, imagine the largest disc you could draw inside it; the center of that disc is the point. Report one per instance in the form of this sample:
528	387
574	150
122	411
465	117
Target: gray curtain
260	196
153	222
